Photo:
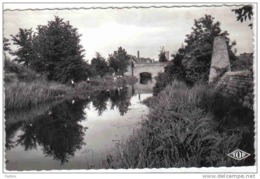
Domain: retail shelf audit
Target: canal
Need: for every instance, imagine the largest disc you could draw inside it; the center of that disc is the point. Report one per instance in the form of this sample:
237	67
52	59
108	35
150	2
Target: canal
74	134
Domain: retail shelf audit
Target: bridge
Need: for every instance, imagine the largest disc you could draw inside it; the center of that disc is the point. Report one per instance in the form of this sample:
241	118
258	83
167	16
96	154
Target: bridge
153	68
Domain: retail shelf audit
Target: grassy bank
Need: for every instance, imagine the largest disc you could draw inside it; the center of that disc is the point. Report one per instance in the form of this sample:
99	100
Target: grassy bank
106	83
26	94
26	88
20	94
189	127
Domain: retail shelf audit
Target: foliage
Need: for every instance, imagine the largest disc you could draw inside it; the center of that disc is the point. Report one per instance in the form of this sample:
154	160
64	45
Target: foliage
25	52
162	55
54	50
244	13
191	63
162	80
243	62
119	61
97	84
14	71
6	45
100	65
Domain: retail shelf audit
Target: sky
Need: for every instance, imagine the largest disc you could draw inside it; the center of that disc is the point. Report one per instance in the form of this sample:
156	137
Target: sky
145	30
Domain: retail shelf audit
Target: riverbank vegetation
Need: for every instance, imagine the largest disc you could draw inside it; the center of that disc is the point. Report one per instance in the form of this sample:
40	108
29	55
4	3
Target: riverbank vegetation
27	94
191	62
190	124
189	127
49	63
26	88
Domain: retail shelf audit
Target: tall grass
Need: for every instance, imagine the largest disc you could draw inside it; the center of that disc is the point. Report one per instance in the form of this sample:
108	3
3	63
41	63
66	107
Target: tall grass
26	94
181	130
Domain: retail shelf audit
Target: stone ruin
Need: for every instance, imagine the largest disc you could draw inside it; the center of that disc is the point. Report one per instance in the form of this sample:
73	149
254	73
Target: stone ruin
237	84
220	63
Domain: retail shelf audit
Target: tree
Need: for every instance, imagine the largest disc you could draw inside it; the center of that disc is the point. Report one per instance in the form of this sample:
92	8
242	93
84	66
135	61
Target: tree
199	47
244	13
192	61
59	51
119	61
54	50
6	45
25	52
162	55
100	65
6	48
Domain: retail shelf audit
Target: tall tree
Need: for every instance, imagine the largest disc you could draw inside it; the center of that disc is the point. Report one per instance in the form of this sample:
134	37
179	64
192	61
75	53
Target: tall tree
199	46
196	54
162	55
25	51
119	61
100	65
58	52
191	63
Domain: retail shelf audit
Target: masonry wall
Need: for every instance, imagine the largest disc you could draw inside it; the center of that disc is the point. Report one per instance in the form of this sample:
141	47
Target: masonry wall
153	68
238	84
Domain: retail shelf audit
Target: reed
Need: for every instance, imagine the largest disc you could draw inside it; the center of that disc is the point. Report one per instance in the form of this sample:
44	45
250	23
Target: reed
26	94
182	130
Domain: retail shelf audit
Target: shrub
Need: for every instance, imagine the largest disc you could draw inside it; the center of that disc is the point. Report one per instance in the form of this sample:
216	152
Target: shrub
14	71
162	80
83	86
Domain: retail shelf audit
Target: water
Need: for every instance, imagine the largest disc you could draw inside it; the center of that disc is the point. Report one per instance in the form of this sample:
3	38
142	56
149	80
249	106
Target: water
75	134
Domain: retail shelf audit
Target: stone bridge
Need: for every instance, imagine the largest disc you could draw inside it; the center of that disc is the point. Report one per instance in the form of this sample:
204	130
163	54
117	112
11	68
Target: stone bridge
153	68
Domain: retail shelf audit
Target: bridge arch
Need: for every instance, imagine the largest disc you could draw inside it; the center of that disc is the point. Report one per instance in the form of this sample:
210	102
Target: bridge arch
152	68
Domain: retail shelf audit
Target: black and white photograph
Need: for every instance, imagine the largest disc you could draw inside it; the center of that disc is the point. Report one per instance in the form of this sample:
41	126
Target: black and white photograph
128	86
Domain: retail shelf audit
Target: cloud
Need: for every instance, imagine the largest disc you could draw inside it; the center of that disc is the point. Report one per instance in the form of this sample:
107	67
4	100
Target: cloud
145	30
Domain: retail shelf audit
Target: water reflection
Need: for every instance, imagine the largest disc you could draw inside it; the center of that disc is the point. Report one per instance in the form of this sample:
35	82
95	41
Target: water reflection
57	129
120	99
99	101
10	131
145	81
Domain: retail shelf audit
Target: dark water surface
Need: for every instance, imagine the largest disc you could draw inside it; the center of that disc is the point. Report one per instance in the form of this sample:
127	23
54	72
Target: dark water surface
75	134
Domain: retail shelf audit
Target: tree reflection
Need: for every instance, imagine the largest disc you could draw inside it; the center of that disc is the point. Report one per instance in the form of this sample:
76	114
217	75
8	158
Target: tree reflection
57	131
120	99
10	131
99	101
55	128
